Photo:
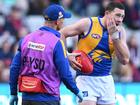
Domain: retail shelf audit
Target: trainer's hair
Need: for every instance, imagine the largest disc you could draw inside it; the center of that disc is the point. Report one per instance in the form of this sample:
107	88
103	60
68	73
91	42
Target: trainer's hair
112	5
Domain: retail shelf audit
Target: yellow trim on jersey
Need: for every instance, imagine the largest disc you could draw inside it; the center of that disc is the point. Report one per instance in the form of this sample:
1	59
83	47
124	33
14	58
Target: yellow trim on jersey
64	49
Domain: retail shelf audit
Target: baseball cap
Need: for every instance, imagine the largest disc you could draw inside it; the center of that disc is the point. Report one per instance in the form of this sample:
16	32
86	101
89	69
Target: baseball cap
55	12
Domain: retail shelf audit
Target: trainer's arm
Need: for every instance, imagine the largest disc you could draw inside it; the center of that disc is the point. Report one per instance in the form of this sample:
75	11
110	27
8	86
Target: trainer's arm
121	48
62	65
14	71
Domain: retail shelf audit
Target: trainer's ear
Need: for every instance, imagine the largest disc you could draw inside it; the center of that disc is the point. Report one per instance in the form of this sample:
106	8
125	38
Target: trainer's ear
56	22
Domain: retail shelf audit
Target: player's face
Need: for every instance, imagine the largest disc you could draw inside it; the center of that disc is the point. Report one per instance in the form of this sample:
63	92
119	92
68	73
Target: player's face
118	15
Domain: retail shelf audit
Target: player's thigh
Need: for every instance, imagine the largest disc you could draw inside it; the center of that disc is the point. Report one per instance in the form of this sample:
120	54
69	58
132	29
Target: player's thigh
87	102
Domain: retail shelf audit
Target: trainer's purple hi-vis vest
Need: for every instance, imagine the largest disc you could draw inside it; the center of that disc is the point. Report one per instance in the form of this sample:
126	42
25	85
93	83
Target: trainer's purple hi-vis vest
37	59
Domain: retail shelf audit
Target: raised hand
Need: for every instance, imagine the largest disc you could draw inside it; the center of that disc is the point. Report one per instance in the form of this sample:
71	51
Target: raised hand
112	28
111	25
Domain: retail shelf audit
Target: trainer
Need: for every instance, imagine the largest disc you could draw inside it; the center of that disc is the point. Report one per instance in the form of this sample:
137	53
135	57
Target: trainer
41	63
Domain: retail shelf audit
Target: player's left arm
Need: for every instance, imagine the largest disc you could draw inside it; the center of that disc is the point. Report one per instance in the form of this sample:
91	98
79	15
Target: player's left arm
120	46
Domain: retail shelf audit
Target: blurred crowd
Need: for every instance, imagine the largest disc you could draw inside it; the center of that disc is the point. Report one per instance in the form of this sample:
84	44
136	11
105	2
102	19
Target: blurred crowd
19	17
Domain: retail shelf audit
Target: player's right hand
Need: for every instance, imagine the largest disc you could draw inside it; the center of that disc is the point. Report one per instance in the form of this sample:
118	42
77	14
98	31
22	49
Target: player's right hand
111	25
13	100
72	59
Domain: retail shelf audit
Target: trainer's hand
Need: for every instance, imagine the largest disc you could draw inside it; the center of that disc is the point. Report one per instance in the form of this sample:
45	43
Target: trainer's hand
80	96
13	100
72	59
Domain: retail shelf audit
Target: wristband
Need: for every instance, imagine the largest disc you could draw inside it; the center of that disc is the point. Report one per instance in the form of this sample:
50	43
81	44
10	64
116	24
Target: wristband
115	35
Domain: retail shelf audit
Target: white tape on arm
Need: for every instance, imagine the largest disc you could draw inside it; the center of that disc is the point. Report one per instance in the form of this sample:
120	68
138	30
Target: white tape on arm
115	35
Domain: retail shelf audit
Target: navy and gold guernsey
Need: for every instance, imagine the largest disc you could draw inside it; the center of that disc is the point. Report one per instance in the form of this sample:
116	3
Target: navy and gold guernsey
98	45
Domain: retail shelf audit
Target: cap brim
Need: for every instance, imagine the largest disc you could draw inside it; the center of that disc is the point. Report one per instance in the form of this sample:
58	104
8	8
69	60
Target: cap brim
67	15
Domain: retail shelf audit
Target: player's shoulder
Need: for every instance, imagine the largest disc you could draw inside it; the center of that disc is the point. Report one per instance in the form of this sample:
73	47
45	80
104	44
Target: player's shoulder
85	21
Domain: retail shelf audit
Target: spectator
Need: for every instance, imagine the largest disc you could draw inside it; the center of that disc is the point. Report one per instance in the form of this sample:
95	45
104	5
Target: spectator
1	69
79	7
121	73
5	53
22	32
134	57
36	6
132	18
2	21
14	21
134	51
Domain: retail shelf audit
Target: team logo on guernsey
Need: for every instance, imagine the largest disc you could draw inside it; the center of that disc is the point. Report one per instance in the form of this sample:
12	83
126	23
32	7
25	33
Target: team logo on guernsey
95	36
85	93
36	46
